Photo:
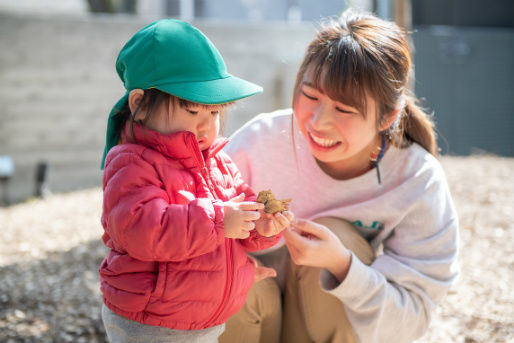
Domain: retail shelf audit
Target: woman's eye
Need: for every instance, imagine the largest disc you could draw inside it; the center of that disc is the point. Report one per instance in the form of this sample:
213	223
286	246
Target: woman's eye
339	109
310	97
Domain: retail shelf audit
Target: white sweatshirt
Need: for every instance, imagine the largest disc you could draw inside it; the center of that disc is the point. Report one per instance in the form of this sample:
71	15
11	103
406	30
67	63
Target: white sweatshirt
410	215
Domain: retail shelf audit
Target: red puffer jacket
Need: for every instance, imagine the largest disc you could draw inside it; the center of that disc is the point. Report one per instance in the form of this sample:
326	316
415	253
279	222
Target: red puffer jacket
170	264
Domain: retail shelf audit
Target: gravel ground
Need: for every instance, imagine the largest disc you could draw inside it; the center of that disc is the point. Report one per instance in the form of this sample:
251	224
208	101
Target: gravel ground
50	251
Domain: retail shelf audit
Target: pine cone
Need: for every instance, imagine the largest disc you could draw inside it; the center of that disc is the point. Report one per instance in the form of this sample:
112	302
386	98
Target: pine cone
272	205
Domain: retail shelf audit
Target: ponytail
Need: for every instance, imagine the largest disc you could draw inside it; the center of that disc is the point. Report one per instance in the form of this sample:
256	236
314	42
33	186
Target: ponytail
418	126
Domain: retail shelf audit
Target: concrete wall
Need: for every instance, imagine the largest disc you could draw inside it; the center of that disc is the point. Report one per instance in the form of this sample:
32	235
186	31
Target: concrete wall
58	83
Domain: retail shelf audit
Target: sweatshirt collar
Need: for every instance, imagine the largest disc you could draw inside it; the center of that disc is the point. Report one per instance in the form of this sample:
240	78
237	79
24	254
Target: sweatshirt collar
181	145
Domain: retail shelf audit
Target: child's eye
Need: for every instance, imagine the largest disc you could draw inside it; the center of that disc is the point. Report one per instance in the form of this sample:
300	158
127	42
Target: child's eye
310	97
215	113
193	112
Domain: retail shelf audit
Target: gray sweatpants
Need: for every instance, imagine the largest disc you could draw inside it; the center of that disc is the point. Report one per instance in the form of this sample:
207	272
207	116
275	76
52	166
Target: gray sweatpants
122	330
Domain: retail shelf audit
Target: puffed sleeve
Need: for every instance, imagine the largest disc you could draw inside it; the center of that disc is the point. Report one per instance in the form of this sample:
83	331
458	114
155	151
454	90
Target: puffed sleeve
139	219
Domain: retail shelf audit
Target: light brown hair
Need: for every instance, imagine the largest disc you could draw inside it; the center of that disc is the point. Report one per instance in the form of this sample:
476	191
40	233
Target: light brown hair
360	54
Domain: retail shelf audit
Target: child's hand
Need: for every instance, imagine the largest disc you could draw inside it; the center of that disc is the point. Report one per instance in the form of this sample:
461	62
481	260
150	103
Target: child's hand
240	216
261	272
272	224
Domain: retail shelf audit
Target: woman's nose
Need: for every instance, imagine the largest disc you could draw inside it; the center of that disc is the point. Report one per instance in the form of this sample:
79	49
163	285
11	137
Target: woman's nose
321	115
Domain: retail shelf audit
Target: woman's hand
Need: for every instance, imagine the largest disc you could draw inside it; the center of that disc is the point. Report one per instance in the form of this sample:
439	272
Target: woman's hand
272	224
314	245
240	216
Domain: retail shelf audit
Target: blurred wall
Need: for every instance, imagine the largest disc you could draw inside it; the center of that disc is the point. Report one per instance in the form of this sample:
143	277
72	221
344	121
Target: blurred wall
467	76
465	70
58	84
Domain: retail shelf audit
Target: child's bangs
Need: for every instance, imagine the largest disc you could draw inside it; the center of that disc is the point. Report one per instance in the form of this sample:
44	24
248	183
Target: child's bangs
188	104
339	71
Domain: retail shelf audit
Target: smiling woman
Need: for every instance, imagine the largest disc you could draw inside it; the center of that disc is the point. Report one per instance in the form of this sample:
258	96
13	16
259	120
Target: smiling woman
340	136
351	116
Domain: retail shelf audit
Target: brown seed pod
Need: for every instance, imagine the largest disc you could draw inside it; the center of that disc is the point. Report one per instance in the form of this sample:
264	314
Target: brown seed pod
272	205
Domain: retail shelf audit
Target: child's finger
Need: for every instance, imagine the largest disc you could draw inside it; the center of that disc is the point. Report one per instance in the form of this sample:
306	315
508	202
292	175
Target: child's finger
269	229
251	215
282	220
251	206
244	235
248	225
254	261
245	228
264	272
289	216
265	215
239	198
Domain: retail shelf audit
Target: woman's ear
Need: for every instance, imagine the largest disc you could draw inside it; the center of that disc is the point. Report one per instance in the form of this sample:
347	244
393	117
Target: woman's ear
389	119
135	98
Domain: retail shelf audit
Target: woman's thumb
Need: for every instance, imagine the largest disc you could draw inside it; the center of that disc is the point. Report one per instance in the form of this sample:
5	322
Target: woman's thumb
309	227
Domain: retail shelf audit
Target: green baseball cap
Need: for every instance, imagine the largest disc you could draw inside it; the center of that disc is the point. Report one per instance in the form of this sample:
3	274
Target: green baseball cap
176	58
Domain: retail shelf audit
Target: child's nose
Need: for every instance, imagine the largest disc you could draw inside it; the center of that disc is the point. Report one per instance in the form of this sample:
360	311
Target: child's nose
205	122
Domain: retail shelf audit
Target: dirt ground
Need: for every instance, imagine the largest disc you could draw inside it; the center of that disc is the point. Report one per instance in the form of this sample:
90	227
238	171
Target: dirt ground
50	251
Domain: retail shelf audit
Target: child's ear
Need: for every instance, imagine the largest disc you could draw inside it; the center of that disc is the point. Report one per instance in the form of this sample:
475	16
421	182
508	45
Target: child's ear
389	119
135	98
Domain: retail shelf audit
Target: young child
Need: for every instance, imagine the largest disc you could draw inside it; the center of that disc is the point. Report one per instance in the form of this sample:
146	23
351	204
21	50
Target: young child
177	216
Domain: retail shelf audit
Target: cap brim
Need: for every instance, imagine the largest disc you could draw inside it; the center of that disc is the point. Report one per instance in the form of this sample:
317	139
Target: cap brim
213	92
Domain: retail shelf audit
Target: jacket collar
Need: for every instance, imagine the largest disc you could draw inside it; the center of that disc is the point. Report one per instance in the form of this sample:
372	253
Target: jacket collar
181	145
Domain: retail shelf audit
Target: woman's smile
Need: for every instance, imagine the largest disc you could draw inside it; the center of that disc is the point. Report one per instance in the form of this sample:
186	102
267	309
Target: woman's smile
321	143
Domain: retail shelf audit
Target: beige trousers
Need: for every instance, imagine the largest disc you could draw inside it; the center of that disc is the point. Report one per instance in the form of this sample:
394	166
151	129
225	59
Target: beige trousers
304	313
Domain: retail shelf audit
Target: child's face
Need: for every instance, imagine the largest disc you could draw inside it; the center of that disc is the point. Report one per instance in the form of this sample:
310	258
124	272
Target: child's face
339	136
202	121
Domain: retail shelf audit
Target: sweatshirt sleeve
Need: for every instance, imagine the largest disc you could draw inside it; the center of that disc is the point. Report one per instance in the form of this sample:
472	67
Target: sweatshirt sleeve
392	300
140	220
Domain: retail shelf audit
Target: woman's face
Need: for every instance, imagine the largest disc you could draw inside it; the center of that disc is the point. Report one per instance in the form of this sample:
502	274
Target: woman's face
340	137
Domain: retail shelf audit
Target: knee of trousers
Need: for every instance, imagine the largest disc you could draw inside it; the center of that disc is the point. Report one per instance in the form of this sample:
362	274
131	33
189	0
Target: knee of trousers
264	300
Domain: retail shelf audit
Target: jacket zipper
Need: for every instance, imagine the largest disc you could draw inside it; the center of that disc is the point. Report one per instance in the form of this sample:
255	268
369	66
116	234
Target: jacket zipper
228	257
228	251
228	284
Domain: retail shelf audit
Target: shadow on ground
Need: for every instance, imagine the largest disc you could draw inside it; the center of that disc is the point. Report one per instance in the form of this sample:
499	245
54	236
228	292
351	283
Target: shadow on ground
55	299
